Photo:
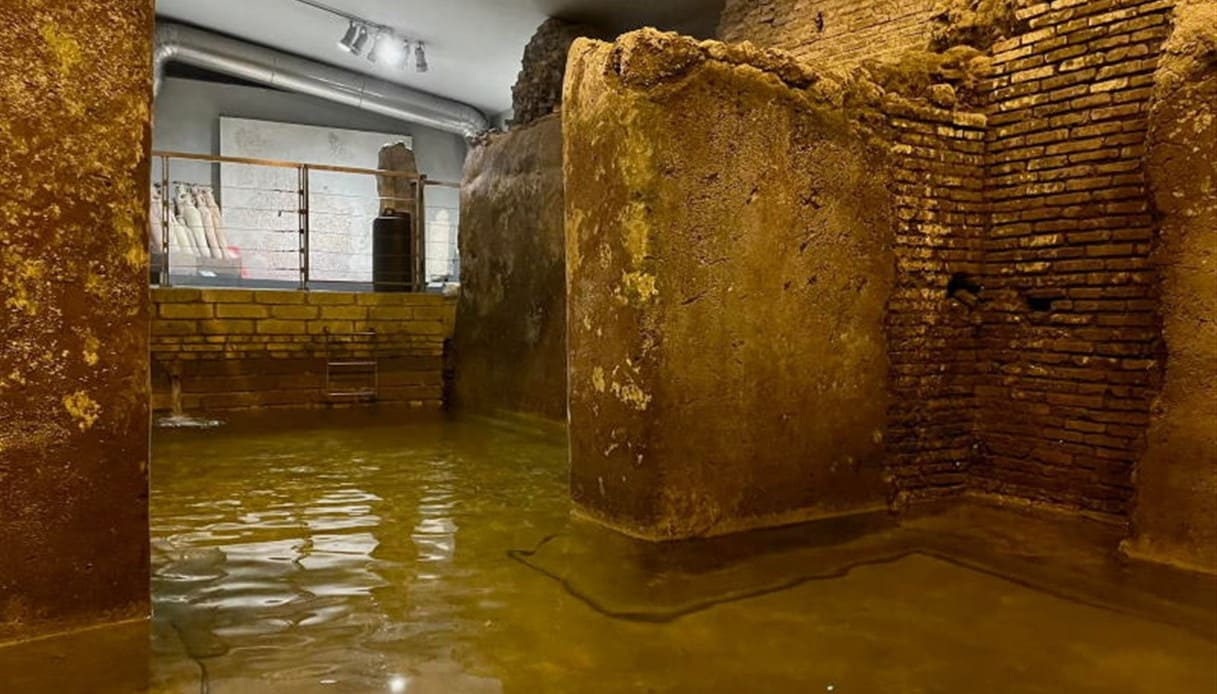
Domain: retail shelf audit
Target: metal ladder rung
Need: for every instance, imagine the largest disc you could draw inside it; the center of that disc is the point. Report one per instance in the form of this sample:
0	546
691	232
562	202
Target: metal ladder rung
352	369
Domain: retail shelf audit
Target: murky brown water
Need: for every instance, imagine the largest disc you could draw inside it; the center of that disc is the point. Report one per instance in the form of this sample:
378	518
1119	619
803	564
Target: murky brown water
354	553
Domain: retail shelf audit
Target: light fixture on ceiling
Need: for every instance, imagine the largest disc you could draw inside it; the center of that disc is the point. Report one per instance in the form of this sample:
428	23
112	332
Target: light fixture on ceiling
389	46
377	42
354	39
403	48
420	57
386	48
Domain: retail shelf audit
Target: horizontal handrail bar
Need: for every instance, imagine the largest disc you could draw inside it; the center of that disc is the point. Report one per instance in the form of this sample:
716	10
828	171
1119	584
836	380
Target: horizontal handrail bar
219	159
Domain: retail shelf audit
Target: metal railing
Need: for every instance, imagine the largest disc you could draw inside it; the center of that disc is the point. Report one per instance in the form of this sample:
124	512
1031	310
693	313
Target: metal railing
304	220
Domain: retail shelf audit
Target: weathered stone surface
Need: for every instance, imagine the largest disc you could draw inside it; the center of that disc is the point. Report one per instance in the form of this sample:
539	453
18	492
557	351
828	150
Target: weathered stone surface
1175	516
509	348
729	265
1059	376
978	23
399	194
74	137
538	89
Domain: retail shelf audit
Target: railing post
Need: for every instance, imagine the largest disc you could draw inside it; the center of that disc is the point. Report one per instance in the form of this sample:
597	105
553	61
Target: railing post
420	241
165	215
304	225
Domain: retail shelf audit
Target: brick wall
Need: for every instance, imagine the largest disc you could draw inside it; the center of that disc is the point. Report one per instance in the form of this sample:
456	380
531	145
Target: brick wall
830	33
940	211
1070	333
538	89
1060	363
220	349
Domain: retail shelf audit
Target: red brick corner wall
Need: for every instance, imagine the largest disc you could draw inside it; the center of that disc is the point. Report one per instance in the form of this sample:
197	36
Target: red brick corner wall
1071	339
1056	374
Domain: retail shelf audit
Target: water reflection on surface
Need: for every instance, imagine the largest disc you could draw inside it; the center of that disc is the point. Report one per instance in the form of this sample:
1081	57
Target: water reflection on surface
323	555
357	552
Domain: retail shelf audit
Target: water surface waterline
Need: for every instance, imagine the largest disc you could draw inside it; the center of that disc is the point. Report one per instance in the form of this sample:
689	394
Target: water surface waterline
371	552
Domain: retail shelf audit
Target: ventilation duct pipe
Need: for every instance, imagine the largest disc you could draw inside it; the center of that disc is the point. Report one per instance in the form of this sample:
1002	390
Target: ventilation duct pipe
203	49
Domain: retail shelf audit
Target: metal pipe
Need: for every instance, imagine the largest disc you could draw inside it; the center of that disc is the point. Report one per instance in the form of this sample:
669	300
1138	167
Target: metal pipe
254	63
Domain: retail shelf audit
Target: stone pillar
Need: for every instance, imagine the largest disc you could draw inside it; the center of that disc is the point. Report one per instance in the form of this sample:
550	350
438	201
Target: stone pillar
1175	515
75	96
729	263
509	347
397	194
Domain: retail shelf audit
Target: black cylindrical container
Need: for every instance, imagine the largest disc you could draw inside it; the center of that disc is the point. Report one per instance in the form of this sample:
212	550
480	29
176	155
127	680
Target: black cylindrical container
392	253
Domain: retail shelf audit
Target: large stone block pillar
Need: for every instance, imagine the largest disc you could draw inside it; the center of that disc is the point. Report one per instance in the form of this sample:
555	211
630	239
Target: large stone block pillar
75	96
509	346
1175	516
728	253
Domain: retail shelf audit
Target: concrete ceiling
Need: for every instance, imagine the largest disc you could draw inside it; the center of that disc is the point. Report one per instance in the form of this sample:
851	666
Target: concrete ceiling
474	46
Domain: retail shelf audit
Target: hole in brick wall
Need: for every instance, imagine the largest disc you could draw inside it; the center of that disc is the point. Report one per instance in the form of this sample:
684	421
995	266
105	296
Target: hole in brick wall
964	288
1041	303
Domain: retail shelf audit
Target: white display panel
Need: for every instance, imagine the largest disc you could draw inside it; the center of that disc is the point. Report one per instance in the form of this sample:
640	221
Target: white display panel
260	203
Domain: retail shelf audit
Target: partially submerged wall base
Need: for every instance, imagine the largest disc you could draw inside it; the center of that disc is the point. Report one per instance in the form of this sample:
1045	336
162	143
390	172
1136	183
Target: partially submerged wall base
509	348
731	225
74	142
231	349
1175	515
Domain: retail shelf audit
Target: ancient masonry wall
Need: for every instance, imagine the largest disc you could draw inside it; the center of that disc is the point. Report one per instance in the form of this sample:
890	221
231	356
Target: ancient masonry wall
1071	340
1175	514
74	141
933	325
509	347
538	89
830	33
934	156
1067	338
225	349
933	321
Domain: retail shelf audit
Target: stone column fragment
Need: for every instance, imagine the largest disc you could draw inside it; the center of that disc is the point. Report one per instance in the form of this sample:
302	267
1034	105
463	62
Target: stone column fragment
729	263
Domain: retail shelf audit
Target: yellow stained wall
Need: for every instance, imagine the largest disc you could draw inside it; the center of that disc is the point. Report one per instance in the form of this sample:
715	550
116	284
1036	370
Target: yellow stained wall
75	97
225	349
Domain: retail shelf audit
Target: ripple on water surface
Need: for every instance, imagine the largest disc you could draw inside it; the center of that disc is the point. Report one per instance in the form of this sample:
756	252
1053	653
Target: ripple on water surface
349	552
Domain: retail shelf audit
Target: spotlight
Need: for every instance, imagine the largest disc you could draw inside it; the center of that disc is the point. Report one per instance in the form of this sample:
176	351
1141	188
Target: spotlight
377	46
347	42
355	39
403	54
389	49
420	57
